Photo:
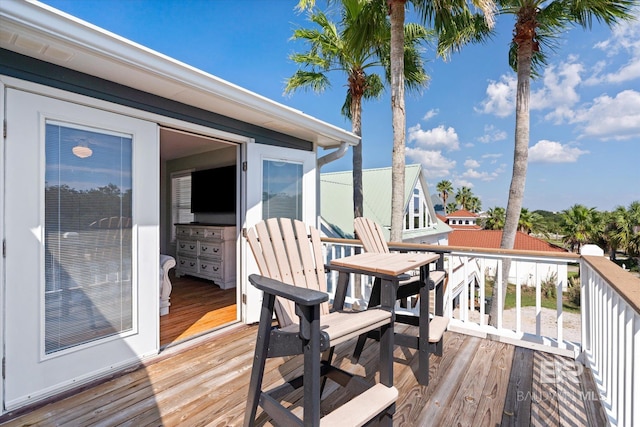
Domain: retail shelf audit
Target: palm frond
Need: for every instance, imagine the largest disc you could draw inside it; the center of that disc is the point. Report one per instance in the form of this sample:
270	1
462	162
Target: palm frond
583	12
317	82
345	110
463	29
374	87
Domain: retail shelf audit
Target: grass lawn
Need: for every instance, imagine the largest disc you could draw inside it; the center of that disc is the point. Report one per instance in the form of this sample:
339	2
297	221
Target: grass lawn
528	298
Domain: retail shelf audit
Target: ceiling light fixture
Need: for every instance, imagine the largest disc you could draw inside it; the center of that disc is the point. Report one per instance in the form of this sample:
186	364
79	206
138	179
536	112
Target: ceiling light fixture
82	151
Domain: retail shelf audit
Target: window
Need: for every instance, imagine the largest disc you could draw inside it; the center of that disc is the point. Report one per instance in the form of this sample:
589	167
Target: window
88	291
281	189
180	200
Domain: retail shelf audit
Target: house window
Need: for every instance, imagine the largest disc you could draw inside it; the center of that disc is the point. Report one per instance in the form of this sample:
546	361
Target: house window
281	189
180	200
88	291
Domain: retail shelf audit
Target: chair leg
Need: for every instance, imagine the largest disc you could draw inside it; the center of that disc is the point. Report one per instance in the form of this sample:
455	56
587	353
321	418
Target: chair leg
327	357
259	360
362	340
310	321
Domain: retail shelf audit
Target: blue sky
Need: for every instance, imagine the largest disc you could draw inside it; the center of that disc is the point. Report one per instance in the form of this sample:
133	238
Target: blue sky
585	108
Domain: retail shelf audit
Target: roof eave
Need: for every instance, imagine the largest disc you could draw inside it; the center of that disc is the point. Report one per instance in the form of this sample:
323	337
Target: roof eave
40	31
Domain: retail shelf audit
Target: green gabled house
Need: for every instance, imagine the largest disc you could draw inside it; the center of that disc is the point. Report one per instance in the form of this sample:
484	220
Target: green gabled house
421	224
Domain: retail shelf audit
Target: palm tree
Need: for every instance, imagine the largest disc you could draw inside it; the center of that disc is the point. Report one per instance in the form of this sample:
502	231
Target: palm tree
463	196
623	229
538	22
444	188
451	207
357	46
474	205
455	26
494	219
530	222
580	225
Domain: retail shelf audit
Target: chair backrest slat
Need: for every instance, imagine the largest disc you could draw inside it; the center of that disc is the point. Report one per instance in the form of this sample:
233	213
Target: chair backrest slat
284	252
311	252
371	235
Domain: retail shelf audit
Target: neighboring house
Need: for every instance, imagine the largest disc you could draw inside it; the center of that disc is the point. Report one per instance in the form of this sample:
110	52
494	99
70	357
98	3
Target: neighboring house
98	128
463	219
528	273
421	225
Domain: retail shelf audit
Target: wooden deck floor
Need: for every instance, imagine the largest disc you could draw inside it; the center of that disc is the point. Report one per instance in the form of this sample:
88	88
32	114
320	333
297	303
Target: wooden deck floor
476	382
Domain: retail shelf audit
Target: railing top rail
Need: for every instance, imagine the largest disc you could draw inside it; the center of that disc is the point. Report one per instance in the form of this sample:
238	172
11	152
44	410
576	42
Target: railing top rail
570	257
625	284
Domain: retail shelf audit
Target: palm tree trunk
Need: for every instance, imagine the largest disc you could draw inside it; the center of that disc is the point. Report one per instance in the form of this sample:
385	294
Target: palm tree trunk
396	8
525	31
356	128
358	198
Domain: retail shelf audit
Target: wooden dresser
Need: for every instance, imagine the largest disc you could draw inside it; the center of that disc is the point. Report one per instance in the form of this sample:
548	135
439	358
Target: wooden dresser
207	251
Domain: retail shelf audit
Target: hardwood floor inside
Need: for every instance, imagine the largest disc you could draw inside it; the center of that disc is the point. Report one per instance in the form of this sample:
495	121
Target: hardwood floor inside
197	306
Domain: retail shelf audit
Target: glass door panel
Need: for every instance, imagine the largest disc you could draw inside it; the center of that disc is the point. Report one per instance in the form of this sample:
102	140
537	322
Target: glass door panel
88	258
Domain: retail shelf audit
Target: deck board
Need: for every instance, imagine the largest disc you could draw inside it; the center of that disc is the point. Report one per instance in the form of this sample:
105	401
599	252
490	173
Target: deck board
517	407
205	383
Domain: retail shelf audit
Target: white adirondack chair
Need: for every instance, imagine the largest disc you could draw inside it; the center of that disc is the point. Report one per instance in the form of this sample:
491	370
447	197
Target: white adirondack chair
292	276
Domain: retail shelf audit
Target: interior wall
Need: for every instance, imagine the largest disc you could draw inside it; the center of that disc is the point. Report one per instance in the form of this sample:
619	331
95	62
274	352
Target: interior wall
225	156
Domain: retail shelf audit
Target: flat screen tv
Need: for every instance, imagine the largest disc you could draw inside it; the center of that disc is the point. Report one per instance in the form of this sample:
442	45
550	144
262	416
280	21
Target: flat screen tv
214	190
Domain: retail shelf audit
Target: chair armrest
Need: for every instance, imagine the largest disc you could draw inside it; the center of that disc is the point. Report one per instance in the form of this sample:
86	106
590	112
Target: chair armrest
302	296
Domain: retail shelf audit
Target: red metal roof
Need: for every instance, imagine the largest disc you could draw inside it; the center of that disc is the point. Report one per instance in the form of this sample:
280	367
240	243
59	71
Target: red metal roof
462	213
491	239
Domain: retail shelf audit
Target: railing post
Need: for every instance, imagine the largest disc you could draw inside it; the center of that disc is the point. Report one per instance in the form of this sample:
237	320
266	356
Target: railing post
559	311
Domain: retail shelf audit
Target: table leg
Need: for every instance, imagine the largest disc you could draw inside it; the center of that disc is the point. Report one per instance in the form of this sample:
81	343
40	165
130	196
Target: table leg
341	290
387	294
423	334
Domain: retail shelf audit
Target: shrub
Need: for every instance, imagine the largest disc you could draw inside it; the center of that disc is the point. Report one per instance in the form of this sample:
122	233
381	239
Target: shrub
548	285
573	293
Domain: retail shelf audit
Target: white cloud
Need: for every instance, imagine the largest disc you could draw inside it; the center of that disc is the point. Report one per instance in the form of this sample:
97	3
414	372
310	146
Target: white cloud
494	157
471	163
491	134
434	138
558	92
460	182
434	164
553	152
624	36
430	114
483	176
608	118
501	97
625	39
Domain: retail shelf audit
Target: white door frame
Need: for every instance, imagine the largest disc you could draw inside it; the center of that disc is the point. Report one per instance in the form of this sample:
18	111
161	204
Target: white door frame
2	237
253	155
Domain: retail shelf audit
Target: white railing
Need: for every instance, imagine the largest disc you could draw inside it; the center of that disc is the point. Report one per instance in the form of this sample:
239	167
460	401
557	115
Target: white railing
531	327
464	297
611	336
